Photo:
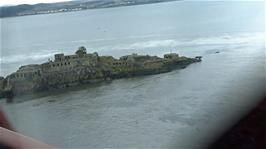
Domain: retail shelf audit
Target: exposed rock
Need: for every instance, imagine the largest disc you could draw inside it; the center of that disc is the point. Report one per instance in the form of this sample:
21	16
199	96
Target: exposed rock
5	90
1	85
83	68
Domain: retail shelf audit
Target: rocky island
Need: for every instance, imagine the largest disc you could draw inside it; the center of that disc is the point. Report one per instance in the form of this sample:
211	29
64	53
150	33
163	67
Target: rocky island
85	68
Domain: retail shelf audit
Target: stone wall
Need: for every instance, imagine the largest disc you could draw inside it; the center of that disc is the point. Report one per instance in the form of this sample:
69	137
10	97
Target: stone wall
84	68
1	83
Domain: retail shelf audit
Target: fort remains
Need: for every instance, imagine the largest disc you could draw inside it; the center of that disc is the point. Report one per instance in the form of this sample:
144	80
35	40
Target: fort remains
85	68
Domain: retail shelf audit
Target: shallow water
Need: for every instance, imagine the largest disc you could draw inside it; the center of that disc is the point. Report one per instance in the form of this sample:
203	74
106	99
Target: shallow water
185	108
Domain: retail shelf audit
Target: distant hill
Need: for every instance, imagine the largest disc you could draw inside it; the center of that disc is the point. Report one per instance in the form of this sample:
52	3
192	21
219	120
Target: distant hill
75	5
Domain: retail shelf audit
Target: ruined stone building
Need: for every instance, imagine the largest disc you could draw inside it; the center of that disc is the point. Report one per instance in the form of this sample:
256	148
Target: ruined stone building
83	67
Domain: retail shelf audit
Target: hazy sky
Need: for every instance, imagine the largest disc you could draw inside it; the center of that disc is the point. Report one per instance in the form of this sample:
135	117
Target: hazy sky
16	2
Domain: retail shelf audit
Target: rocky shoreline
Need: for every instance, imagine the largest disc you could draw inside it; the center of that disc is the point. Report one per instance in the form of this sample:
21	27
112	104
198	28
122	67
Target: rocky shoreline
86	68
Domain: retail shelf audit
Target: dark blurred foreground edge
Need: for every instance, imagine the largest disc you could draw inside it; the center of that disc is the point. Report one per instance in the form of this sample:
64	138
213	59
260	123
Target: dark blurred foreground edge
5	124
248	133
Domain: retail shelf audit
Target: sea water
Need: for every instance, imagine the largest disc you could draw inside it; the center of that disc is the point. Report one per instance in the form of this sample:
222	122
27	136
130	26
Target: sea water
186	108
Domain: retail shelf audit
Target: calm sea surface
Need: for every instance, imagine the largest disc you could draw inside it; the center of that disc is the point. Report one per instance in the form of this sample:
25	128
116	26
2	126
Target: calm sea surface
180	109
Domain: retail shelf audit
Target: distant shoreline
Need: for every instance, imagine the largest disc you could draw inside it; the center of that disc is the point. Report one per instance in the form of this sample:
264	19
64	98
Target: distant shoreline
69	6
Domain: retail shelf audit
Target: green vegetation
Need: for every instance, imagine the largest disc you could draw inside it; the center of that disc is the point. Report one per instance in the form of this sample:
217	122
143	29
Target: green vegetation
82	67
77	5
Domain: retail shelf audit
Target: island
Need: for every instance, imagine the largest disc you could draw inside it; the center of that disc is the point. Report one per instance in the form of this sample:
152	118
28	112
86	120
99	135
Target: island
86	68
